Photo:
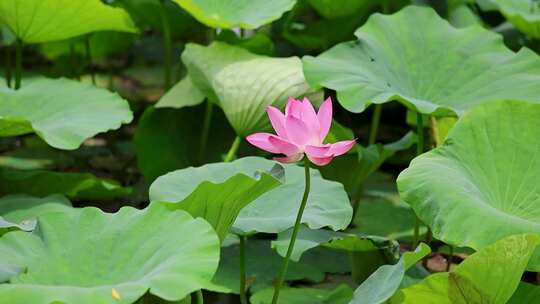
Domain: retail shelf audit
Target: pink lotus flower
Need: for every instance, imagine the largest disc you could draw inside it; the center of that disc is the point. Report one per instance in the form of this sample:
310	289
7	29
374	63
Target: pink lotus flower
301	130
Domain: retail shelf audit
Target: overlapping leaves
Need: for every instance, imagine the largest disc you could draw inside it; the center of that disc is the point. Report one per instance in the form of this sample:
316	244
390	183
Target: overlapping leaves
416	57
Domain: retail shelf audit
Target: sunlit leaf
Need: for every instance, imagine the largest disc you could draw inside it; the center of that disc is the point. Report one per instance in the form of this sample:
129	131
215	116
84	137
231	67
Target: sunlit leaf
62	112
95	257
236	13
216	192
417	58
244	84
480	185
35	21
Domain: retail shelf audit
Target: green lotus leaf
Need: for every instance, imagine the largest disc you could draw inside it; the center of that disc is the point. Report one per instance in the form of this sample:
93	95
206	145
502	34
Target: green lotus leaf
35	21
340	8
525	293
83	186
384	282
95	257
244	84
62	112
480	186
490	275
182	94
21	211
308	239
149	14
340	295
523	14
384	217
216	192
177	132
263	265
354	168
417	58
275	211
227	14
36	157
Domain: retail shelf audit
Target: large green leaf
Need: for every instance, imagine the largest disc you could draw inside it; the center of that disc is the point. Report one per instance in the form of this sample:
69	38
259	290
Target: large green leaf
82	186
21	211
523	14
340	8
490	276
228	14
244	84
385	216
35	21
216	192
340	295
525	293
263	265
384	282
416	57
481	184
95	257
275	211
177	133
62	112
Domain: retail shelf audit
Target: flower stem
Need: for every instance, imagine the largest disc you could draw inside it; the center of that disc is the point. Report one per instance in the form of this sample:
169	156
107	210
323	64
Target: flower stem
375	120
89	58
8	66
232	151
419	150
167	44
206	129
243	298
283	272
18	63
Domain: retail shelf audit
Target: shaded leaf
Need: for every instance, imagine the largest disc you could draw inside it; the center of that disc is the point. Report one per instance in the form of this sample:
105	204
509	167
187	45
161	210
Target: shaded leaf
81	186
308	239
263	265
340	295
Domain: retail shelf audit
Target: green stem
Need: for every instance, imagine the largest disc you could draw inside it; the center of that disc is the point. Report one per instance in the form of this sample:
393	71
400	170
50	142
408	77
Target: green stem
283	272
167	44
8	66
200	298
89	58
419	150
232	151
375	120
450	257
205	131
18	63
243	298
